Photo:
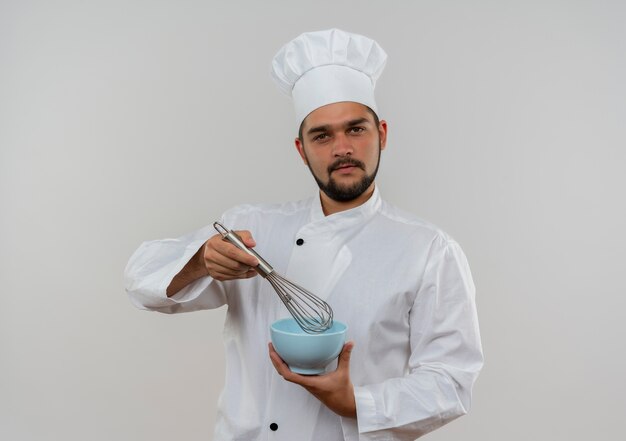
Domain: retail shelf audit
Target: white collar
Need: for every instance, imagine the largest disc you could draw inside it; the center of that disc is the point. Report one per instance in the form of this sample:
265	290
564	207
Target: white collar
343	219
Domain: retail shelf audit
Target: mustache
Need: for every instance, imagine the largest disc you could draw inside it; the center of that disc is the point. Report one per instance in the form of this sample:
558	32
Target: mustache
343	162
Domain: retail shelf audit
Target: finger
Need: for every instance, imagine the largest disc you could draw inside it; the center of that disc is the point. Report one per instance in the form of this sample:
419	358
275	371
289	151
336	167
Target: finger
227	266
246	237
227	255
251	273
223	277
283	369
215	268
220	272
344	357
230	251
279	363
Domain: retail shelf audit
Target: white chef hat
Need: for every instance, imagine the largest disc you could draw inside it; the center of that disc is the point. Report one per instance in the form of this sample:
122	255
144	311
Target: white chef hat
324	67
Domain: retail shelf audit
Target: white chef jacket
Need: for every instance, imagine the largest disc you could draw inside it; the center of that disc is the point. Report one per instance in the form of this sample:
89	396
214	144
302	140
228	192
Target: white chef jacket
401	285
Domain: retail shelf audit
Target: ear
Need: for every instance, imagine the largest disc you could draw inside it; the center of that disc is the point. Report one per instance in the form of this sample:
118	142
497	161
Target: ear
382	132
300	148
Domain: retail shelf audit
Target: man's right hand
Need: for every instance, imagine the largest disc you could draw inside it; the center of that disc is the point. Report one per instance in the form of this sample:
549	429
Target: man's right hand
219	259
224	261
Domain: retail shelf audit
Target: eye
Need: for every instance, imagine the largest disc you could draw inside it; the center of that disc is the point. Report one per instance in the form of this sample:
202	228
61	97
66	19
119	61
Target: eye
321	137
356	130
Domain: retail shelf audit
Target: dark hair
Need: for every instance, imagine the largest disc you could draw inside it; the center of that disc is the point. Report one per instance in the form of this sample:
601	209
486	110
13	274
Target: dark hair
369	109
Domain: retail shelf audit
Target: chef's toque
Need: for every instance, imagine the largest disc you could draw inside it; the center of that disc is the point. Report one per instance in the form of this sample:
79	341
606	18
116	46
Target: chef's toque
325	67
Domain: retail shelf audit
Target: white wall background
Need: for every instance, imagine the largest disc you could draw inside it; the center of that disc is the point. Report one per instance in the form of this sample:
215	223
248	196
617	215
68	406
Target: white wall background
122	121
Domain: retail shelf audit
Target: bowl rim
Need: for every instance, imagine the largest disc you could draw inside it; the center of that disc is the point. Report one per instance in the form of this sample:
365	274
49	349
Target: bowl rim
291	319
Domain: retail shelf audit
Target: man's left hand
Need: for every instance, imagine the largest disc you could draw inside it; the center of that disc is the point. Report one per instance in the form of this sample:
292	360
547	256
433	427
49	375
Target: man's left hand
334	389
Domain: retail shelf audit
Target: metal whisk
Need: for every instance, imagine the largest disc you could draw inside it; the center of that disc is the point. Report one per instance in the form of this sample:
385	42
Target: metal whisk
310	312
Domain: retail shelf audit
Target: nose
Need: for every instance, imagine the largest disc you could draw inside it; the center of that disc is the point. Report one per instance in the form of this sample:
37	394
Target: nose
342	146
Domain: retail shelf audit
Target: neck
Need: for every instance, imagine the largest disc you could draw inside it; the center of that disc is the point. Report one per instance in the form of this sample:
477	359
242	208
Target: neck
331	206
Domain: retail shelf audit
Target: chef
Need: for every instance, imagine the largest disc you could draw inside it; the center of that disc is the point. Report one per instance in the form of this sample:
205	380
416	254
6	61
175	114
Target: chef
402	285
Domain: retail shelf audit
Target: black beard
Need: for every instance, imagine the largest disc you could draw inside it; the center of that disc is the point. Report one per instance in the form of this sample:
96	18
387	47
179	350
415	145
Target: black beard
341	193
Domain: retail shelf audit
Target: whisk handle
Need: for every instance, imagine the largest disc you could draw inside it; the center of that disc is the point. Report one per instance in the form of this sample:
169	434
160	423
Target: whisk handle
263	268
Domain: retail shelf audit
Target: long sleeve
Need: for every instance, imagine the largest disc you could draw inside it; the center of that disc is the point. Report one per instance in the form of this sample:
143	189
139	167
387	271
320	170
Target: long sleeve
154	264
445	359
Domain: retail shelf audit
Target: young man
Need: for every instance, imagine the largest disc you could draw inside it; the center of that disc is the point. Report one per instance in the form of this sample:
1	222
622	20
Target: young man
402	285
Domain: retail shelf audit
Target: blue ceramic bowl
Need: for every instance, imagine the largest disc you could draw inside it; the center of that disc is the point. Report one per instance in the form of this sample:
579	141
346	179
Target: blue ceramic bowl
307	353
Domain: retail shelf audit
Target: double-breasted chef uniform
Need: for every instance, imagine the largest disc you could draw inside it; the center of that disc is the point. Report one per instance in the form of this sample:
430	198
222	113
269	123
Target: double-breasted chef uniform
401	285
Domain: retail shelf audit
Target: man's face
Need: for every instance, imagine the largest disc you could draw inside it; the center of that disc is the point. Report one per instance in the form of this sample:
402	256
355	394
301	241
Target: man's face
341	145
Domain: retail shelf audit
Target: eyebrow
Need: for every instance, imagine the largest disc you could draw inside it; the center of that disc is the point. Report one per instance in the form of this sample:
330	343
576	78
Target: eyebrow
326	127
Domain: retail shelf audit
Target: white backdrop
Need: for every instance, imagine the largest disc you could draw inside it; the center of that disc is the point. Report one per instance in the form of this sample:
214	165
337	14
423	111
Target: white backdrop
122	121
